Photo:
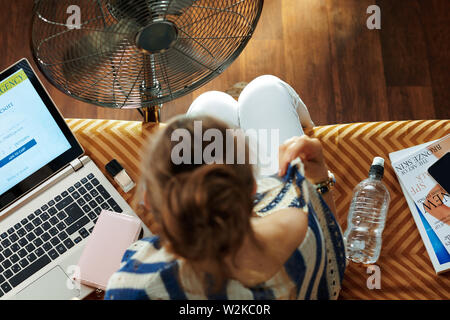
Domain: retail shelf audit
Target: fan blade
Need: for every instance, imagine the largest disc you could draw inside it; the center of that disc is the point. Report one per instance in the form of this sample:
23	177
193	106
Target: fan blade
145	11
92	50
176	7
137	10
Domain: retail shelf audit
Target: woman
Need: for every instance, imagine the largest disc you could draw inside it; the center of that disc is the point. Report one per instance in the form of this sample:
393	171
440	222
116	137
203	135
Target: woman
211	240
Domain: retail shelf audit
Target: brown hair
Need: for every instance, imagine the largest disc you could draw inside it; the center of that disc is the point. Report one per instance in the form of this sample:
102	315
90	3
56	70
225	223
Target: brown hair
202	210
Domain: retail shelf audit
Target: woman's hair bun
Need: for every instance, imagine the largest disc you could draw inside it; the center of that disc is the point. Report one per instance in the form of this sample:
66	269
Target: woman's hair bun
203	212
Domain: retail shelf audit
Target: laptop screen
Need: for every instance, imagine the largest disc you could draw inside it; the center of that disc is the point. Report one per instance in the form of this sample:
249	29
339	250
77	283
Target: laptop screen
29	137
32	134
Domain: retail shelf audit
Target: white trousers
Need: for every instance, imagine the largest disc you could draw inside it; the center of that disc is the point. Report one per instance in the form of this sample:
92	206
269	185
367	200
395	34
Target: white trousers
265	104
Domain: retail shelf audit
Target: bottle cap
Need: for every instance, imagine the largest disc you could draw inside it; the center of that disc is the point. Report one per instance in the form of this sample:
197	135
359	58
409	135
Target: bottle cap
378	161
377	168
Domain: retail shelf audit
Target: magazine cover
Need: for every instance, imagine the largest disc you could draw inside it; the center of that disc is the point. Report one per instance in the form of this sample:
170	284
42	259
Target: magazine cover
431	203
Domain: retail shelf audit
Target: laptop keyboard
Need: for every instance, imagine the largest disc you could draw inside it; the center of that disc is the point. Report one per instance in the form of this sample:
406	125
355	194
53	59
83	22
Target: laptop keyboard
51	230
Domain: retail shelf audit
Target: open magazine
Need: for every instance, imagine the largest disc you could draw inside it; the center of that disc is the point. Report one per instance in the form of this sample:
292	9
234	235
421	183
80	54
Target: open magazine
428	201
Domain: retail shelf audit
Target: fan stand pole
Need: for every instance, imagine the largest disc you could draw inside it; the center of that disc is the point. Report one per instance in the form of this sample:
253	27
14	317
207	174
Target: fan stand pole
150	90
152	114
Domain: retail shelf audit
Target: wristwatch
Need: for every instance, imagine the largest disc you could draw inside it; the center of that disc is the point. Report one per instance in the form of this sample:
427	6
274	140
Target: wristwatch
325	186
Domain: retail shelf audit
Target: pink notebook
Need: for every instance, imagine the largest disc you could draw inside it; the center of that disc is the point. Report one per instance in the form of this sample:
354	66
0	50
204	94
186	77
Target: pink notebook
112	235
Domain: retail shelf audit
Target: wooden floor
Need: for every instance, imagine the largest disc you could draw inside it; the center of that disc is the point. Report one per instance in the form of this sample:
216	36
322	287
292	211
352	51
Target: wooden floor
343	71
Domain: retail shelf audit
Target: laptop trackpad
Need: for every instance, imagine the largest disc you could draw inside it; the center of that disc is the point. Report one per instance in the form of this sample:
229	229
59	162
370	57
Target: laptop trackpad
54	285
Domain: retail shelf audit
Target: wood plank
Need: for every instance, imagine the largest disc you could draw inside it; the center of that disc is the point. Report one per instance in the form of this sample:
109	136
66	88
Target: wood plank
176	107
403	44
408	103
356	52
434	16
321	47
267	52
307	57
270	26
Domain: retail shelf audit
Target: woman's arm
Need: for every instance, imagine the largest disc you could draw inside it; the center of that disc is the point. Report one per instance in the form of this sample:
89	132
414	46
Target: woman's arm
310	151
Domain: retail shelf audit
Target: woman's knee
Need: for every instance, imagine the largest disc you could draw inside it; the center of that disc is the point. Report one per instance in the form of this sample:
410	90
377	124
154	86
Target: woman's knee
267	79
265	87
276	95
217	104
266	93
206	100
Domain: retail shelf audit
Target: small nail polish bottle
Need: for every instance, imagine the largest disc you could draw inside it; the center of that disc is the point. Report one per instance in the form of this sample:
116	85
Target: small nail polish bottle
119	174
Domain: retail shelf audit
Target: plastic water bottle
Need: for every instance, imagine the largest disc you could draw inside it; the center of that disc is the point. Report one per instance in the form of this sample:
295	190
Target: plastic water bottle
367	216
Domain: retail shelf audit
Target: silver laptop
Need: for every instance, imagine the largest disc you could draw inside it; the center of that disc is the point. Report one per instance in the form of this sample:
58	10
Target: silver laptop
50	193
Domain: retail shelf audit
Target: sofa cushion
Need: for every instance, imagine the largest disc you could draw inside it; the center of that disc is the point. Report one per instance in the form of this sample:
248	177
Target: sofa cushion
406	270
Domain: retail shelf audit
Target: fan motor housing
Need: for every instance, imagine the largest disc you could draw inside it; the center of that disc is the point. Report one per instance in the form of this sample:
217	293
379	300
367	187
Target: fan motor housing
157	37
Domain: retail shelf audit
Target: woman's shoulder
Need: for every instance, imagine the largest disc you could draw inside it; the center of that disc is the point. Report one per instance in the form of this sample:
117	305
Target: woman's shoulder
141	264
146	251
284	229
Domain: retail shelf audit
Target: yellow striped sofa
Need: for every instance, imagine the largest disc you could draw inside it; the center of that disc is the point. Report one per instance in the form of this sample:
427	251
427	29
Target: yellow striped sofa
406	270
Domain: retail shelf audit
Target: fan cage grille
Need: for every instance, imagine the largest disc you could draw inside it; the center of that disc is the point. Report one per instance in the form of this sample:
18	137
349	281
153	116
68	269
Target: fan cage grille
99	63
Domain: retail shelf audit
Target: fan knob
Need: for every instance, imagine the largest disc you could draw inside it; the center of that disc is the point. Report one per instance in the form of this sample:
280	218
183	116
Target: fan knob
157	37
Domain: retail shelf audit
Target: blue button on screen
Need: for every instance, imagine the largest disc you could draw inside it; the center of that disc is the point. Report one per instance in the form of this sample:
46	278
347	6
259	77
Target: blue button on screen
16	153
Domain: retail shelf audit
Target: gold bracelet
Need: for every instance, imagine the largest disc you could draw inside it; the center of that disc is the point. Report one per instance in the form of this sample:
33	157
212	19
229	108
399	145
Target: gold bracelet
325	186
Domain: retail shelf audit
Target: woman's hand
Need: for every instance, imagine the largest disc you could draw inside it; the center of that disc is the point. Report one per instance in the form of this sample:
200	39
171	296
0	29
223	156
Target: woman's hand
310	152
